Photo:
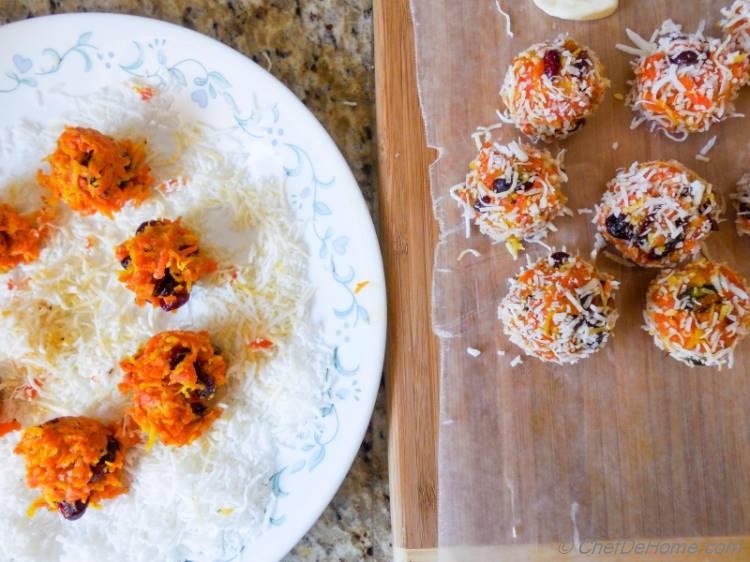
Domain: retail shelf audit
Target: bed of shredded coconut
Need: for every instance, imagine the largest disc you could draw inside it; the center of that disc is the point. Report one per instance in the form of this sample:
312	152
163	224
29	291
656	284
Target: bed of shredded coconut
66	323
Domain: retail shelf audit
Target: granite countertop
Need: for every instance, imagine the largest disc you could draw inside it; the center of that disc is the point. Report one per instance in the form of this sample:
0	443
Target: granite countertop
322	50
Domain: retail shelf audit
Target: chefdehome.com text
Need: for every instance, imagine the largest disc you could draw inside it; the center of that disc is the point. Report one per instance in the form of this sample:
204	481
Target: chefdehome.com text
643	547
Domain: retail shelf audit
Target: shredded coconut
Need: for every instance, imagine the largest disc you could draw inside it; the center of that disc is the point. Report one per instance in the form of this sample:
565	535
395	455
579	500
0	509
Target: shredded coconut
471	251
67	321
506	15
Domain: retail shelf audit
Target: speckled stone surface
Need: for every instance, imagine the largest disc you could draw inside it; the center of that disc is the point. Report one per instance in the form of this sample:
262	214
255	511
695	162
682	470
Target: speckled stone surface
322	50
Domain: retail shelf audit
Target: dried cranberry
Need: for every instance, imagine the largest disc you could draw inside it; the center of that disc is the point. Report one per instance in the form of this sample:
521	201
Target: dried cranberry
483	201
143	225
558	258
165	287
685	58
86	158
180	299
177	355
669	247
583	62
744	209
198	409
501	185
72	511
552	63
125	262
618	227
99	470
208	382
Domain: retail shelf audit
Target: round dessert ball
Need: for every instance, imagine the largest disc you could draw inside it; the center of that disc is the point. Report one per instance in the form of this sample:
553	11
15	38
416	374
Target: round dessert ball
559	309
735	24
656	213
684	82
698	313
75	461
161	262
513	192
551	88
21	236
94	173
174	379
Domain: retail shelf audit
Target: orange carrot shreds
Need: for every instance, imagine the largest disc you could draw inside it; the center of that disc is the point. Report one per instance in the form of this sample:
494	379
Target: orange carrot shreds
551	88
742	204
736	25
559	309
76	462
9	427
94	173
174	379
512	192
21	236
161	263
698	313
260	343
684	82
656	213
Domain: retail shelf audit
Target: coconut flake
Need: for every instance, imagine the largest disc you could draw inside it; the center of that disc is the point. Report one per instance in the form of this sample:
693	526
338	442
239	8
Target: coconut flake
508	30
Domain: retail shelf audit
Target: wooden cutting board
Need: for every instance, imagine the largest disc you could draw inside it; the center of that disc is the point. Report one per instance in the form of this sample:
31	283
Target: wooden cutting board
693	422
408	236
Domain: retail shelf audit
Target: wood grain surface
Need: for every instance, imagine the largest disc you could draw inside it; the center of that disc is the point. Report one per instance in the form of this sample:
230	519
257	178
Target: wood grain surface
408	235
629	443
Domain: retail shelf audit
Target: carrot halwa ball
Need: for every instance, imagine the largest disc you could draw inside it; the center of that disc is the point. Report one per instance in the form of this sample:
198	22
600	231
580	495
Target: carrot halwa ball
161	263
559	309
94	173
657	213
698	313
21	237
513	192
736	24
76	461
551	88
684	82
173	379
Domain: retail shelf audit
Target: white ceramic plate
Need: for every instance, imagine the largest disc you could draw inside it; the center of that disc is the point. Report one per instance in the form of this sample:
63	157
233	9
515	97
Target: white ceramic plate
81	53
